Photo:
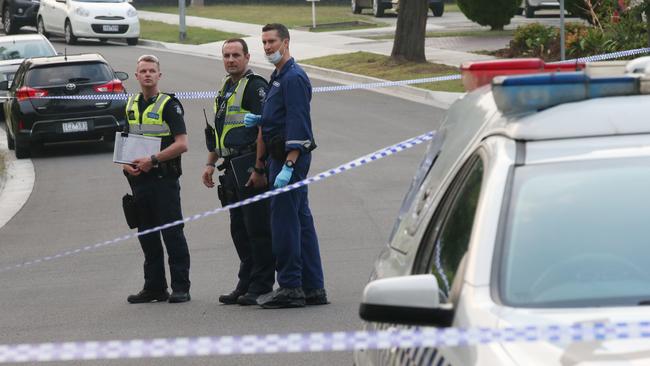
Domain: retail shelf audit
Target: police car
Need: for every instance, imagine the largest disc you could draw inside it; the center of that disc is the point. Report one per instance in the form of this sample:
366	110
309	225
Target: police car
530	208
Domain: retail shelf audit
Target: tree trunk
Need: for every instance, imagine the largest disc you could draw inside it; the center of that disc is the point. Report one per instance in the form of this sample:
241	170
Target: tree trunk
411	31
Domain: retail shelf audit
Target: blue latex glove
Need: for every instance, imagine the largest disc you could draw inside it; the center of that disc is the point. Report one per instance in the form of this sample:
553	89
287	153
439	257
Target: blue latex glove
252	120
283	177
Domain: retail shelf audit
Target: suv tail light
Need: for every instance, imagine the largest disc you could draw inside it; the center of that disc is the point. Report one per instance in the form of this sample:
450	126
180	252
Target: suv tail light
113	86
26	92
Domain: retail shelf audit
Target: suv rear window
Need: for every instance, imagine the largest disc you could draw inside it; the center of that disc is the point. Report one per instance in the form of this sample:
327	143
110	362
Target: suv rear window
51	75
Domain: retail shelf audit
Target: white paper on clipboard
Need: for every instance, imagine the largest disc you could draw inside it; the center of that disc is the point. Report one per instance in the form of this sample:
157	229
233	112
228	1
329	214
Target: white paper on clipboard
129	147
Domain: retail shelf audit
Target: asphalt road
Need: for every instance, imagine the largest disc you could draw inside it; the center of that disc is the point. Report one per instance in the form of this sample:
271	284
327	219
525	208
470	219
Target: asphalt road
76	202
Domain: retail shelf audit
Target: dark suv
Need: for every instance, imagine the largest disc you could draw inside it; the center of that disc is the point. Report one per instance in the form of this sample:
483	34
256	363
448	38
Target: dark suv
18	13
63	98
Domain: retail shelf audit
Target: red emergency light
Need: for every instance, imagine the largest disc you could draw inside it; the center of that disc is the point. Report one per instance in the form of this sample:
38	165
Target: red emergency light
476	74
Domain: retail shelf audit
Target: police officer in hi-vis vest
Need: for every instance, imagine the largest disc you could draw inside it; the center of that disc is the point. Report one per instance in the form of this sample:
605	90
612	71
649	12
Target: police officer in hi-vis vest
154	180
242	92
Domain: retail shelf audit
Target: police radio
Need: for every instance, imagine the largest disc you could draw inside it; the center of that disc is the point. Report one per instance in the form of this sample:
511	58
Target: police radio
210	137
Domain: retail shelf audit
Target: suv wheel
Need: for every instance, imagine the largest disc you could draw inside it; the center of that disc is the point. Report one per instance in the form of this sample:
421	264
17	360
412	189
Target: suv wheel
377	8
69	34
23	150
10	141
438	9
529	11
41	28
8	24
356	9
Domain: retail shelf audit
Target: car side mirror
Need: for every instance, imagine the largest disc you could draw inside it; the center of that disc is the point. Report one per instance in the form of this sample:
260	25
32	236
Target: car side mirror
121	75
410	300
4	85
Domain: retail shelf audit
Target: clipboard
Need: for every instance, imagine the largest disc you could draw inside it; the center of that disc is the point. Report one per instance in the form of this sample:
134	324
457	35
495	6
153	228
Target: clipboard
129	147
242	167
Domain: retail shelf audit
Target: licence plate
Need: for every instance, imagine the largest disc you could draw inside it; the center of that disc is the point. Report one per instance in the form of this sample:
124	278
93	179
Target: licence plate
79	126
110	28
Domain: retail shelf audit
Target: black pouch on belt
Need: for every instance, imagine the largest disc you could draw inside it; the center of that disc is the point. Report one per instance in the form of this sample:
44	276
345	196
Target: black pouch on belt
276	148
130	211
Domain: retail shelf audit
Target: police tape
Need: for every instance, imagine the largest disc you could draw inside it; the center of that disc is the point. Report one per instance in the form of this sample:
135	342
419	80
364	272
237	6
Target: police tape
379	154
321	342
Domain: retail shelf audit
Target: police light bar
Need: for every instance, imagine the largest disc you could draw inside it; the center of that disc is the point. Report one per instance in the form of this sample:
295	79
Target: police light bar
476	74
516	94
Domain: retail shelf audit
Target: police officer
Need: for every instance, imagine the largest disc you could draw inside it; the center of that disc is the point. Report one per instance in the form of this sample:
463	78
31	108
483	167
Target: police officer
287	133
154	181
243	91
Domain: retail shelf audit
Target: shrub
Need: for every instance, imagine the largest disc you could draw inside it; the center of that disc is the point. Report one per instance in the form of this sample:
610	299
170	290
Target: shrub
493	13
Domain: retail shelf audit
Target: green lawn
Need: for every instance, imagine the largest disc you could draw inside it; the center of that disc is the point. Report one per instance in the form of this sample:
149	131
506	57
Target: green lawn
164	32
291	15
379	66
469	33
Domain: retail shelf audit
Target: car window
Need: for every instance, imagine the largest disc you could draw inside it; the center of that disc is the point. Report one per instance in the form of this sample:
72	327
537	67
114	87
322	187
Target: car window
576	234
24	49
447	237
52	75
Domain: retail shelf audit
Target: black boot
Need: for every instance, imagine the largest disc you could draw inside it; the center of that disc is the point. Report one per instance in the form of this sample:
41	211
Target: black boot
145	296
231	298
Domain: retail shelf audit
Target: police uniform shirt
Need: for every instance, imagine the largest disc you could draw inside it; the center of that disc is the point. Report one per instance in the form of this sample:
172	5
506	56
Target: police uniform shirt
252	101
286	109
172	114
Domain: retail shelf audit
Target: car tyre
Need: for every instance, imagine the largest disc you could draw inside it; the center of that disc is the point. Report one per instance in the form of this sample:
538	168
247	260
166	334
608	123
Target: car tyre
40	27
377	9
11	144
438	9
529	11
8	24
23	150
70	38
132	41
103	40
356	9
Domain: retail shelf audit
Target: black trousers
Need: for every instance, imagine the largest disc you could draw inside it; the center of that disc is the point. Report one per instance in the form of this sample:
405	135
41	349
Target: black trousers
250	228
158	201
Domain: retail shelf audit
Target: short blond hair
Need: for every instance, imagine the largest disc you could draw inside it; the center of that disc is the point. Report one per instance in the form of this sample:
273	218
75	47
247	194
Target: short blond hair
149	58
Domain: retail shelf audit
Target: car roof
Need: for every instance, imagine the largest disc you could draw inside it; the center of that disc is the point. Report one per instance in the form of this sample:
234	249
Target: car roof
53	60
22	37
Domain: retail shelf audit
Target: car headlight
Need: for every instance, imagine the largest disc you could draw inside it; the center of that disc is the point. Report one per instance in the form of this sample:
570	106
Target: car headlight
132	13
82	12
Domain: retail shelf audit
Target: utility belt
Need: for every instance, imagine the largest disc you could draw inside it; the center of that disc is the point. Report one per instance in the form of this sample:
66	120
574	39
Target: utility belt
166	169
231	153
276	147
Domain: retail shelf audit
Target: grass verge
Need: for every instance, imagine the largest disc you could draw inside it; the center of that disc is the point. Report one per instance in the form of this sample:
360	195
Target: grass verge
2	167
379	66
290	15
164	32
470	33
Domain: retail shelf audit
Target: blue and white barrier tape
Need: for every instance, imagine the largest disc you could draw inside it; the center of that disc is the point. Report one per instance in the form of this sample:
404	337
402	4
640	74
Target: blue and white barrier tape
379	154
319	342
611	56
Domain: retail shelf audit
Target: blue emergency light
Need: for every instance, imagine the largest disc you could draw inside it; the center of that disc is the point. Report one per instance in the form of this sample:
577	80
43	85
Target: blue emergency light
528	93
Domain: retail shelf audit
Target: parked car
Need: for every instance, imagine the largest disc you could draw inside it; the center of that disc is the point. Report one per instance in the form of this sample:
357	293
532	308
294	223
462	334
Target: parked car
101	19
18	13
32	116
531	6
14	49
529	209
378	6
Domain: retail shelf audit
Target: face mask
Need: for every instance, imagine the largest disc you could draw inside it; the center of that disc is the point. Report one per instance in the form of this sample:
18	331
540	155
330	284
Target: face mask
275	57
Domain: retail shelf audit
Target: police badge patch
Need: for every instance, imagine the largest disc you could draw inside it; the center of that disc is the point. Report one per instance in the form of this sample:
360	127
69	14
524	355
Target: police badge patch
261	93
179	110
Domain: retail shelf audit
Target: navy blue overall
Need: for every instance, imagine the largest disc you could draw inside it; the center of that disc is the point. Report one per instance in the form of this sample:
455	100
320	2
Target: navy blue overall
295	244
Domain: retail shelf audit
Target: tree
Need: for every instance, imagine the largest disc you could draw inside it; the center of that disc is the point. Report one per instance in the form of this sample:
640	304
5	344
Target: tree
411	31
493	13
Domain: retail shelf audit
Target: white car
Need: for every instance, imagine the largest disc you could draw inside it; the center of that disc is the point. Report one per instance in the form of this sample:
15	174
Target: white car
530	208
530	6
102	19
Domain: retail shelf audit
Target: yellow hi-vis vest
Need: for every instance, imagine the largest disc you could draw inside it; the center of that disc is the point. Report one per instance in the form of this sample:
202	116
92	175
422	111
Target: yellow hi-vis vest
150	123
234	117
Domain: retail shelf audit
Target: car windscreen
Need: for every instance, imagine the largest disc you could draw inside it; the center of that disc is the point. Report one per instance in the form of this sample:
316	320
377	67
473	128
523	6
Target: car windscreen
577	234
61	74
24	49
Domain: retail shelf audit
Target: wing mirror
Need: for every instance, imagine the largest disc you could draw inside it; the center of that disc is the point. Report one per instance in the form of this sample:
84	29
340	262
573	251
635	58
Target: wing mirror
410	300
121	75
